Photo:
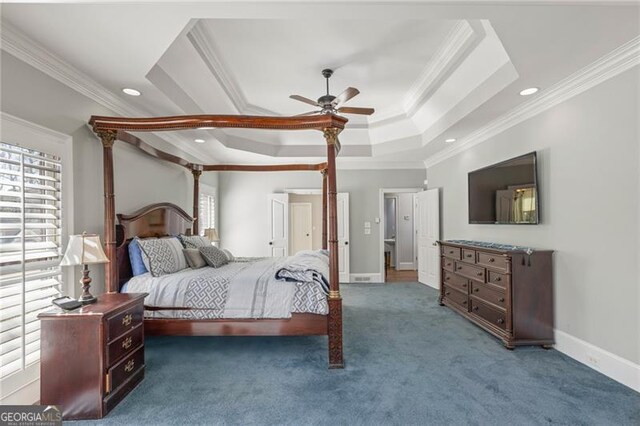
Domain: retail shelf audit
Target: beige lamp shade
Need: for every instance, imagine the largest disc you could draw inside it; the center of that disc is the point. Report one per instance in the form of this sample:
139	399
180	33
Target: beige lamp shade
83	250
211	234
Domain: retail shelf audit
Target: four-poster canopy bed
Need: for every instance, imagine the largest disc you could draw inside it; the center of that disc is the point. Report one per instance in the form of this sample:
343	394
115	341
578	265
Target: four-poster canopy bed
167	219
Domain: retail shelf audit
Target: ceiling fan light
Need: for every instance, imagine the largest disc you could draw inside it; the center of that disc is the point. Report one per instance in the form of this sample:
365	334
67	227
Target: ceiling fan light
529	91
131	92
199	140
450	140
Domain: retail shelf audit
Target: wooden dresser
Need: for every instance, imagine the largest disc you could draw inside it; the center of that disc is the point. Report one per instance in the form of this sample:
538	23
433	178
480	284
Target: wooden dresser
506	290
92	357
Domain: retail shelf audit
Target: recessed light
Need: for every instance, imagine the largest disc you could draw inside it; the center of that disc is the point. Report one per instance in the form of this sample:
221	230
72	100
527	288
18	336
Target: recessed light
206	128
450	140
131	92
529	91
198	140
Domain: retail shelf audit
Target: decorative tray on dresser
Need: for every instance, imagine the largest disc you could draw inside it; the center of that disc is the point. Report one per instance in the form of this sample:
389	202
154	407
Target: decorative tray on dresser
507	290
92	357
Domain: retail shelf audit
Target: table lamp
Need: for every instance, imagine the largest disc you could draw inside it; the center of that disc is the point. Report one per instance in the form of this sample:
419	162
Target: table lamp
212	235
83	250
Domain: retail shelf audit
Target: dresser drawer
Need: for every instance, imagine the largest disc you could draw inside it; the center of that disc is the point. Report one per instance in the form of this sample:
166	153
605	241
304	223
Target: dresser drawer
491	315
124	345
487	294
126	368
469	256
498	279
469	271
124	321
451	252
456	281
456	297
491	260
448	264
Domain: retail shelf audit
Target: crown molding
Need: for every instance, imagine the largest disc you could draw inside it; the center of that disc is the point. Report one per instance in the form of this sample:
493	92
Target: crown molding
456	44
211	57
610	65
32	53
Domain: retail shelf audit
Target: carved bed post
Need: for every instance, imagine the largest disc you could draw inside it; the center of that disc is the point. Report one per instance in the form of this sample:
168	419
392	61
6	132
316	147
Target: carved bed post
197	171
324	208
111	269
335	300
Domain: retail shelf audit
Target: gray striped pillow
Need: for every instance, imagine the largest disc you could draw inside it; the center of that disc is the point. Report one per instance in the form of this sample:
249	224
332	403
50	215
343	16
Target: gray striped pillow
162	256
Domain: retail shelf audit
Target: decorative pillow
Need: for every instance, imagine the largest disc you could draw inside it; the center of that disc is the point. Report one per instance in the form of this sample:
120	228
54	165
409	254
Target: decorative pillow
230	256
194	258
135	257
162	256
194	241
214	256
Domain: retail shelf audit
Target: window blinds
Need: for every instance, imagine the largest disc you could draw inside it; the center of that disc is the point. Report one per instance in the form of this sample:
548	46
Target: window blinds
207	211
30	250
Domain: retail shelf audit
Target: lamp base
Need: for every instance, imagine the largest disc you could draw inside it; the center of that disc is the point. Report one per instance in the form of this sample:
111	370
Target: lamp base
87	300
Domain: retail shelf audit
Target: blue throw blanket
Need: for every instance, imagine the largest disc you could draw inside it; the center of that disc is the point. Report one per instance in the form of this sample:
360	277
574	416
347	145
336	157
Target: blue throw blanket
306	266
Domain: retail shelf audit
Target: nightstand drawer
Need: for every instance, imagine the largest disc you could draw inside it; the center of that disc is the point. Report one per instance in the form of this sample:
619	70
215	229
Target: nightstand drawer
125	369
124	321
124	345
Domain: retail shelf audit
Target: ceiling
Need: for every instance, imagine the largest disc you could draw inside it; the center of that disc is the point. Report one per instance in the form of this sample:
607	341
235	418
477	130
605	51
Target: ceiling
431	71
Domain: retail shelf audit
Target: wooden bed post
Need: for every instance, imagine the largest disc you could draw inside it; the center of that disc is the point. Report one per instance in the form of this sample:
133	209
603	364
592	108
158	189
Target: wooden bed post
324	208
111	269
197	171
334	330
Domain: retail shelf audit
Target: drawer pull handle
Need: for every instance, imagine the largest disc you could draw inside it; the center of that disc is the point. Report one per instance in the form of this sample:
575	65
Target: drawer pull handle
469	255
448	293
479	274
464	302
491	259
450	251
475	308
501	299
498	279
476	289
459	267
448	264
464	285
129	366
500	321
448	278
126	320
126	343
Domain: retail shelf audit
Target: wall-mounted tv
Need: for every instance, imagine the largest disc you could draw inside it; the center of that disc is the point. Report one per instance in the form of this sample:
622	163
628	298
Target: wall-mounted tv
505	193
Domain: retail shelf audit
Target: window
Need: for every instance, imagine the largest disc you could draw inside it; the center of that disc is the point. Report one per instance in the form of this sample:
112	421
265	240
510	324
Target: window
30	250
207	208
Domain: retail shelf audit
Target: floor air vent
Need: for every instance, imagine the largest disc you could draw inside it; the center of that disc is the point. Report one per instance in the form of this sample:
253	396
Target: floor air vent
361	279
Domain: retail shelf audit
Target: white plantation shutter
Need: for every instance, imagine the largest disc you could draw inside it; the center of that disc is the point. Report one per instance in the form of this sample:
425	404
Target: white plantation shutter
30	250
207	209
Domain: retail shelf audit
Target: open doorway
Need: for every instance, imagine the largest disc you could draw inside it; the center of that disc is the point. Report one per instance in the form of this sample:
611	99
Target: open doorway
398	237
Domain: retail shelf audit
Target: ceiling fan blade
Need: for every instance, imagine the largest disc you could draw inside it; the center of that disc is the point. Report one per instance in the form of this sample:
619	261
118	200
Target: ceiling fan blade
308	113
343	97
305	100
356	110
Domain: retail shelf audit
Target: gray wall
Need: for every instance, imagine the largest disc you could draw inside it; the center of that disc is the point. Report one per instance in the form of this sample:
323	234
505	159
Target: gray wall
139	179
243	208
588	161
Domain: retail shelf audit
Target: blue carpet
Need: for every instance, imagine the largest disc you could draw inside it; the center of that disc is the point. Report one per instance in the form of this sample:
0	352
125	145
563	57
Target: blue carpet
408	361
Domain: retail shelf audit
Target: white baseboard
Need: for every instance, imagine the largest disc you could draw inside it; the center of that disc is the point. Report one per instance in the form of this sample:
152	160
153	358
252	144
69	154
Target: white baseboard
27	395
406	266
435	287
611	365
365	278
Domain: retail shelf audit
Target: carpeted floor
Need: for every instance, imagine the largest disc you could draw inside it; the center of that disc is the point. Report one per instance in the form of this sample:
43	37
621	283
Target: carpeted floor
409	361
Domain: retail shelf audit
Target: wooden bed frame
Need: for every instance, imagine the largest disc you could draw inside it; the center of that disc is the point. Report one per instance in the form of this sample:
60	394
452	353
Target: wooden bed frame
168	219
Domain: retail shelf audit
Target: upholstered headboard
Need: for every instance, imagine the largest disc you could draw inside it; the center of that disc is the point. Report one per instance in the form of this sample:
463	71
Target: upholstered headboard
155	220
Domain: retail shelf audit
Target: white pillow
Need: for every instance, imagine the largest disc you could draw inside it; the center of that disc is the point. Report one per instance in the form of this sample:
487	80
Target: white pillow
230	256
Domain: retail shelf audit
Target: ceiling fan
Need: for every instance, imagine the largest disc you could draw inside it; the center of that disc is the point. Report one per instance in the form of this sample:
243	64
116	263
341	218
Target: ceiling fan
330	104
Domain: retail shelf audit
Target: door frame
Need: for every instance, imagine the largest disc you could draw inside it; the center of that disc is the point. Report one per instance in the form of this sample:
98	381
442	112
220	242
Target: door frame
291	236
381	227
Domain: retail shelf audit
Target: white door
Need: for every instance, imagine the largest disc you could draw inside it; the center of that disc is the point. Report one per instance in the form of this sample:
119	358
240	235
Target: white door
343	236
279	225
428	235
300	219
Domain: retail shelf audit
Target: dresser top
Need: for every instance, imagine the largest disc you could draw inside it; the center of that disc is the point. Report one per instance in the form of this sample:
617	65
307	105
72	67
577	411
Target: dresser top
498	247
107	303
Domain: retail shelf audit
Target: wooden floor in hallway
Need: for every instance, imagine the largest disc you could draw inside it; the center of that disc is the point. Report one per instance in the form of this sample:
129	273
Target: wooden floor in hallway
392	275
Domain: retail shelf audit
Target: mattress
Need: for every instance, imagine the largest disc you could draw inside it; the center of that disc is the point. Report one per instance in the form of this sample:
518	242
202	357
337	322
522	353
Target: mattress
246	289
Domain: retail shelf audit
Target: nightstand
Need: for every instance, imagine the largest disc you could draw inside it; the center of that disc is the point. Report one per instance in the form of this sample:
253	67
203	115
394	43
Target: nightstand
92	357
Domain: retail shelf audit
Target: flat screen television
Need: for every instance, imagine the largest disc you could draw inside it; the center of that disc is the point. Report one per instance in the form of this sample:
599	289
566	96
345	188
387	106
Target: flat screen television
505	193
